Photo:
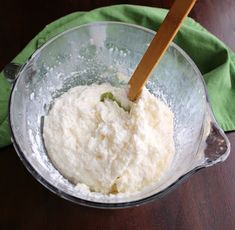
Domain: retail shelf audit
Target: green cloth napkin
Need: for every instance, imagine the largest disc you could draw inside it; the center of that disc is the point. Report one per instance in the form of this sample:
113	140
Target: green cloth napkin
214	59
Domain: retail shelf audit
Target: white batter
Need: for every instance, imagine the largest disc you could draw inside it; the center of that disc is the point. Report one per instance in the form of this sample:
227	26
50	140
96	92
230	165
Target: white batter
101	145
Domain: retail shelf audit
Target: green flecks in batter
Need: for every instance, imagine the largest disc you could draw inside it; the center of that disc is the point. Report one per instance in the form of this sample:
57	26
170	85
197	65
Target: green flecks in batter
109	96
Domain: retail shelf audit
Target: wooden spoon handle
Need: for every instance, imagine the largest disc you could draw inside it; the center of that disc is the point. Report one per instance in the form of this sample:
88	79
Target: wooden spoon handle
159	45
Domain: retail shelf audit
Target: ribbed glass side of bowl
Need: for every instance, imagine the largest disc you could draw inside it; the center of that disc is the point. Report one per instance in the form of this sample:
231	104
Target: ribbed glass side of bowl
98	53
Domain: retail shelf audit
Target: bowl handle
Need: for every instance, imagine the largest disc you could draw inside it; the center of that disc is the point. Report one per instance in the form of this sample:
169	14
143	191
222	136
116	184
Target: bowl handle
11	71
215	146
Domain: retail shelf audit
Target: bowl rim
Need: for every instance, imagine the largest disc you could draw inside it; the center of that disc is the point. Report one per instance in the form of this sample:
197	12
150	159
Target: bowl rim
70	197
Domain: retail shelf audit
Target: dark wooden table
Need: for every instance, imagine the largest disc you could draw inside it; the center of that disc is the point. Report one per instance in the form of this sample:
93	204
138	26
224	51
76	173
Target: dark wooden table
205	201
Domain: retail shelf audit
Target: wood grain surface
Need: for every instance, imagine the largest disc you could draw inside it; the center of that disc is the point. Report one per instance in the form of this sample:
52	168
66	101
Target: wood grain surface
205	201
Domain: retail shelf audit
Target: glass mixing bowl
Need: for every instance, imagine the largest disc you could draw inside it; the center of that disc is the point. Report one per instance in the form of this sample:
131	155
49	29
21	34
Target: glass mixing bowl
107	52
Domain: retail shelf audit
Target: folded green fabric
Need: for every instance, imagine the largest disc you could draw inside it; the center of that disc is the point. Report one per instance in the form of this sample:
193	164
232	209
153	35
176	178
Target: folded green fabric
214	59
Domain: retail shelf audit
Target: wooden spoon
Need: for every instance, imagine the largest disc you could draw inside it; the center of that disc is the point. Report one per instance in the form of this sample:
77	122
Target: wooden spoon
159	45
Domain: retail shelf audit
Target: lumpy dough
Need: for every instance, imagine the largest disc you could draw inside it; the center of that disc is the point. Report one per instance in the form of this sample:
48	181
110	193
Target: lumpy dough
101	145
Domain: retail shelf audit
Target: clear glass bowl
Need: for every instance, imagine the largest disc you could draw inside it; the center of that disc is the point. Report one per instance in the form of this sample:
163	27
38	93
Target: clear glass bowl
99	52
